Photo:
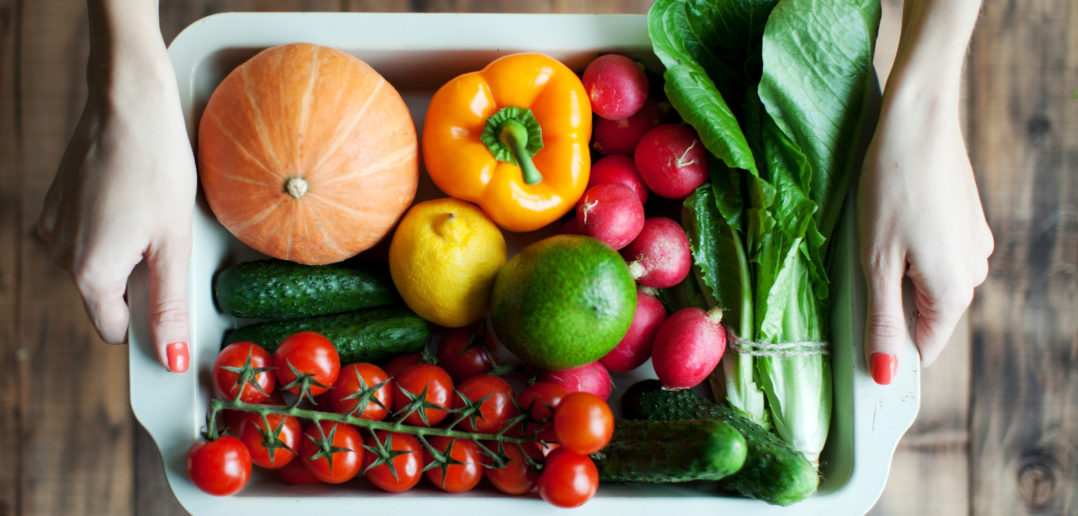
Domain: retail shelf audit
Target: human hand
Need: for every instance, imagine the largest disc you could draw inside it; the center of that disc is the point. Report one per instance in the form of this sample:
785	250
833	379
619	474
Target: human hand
920	217
125	192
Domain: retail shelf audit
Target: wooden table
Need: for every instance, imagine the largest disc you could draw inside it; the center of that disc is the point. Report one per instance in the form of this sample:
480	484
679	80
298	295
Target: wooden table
998	429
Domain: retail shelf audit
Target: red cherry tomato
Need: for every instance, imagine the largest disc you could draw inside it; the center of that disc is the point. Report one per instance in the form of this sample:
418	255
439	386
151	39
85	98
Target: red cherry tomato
583	423
423	382
332	451
406	460
399	363
497	407
219	467
467	351
465	470
539	400
359	381
568	479
274	445
246	366
296	473
306	358
517	476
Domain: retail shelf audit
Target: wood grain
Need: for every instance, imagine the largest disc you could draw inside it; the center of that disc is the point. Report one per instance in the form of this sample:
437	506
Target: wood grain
70	427
1024	143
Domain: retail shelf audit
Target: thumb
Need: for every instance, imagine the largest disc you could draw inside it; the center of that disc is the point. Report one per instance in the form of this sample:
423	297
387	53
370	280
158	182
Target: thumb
885	322
168	314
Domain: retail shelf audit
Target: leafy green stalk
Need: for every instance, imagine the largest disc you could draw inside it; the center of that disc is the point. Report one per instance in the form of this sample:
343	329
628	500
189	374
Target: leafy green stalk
776	90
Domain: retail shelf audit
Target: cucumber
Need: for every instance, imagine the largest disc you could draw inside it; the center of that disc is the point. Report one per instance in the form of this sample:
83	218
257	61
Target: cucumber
279	289
670	451
361	336
774	471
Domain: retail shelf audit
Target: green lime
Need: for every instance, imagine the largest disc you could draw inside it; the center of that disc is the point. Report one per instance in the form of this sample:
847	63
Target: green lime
563	301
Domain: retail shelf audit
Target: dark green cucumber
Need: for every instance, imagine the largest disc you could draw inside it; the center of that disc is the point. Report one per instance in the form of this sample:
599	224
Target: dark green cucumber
670	451
774	471
279	289
362	336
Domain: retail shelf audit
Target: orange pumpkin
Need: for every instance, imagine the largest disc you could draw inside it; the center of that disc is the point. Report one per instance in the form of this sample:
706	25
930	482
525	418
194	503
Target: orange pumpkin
306	153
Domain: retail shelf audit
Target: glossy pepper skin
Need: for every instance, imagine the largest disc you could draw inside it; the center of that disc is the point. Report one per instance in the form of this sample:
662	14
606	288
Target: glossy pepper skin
465	166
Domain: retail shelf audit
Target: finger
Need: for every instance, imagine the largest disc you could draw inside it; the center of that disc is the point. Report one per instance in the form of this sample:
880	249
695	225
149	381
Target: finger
885	323
939	313
103	299
169	318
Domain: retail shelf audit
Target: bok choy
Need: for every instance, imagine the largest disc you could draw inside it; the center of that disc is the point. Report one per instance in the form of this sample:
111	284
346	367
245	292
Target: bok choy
776	90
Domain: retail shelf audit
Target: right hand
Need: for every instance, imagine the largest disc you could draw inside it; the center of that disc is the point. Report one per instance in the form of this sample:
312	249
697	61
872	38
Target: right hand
124	193
921	218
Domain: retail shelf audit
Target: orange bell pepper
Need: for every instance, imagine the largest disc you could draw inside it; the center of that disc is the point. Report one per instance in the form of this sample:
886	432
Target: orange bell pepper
512	138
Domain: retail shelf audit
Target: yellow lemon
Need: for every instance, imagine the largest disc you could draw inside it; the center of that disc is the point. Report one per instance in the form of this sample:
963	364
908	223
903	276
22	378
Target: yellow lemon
443	258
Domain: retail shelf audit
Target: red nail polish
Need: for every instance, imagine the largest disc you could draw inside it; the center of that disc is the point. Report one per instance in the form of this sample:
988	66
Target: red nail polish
883	367
177	357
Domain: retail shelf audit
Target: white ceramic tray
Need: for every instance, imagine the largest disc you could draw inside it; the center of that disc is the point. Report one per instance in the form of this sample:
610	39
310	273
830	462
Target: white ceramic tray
417	53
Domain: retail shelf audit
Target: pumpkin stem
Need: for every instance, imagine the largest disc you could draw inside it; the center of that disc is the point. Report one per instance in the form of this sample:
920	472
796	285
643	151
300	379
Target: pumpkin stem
296	187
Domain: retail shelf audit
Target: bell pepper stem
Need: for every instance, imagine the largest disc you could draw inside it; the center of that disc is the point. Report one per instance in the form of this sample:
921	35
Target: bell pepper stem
514	135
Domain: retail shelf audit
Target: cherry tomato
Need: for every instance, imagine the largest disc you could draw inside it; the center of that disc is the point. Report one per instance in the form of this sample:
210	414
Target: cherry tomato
467	351
539	400
466	467
235	419
583	422
497	407
399	363
296	473
271	446
409	389
517	476
568	479
219	467
306	358
332	451
407	462
359	381
246	366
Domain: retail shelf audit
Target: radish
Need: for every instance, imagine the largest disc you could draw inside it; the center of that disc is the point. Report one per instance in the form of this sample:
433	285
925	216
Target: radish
616	86
610	212
591	377
687	347
621	136
659	257
618	168
635	348
671	160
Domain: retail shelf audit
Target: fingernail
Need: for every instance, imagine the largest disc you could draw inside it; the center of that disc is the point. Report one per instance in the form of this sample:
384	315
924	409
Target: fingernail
177	357
883	367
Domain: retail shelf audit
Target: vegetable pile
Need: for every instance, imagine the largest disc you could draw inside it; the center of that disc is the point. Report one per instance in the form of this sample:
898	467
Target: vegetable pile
694	244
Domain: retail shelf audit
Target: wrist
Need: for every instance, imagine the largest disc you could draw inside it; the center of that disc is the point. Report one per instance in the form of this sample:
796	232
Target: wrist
126	47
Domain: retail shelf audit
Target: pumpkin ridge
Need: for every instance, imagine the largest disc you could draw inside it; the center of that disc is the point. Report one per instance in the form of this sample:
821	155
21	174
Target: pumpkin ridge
305	108
260	127
311	217
343	136
242	148
258	217
384	161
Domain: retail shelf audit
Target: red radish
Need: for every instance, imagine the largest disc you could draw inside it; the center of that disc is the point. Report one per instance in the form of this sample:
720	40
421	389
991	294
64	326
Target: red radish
659	257
591	377
635	348
621	136
671	160
612	213
618	168
571	227
616	86
687	347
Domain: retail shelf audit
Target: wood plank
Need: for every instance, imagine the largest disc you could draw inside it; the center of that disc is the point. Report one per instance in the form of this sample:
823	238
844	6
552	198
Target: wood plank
1024	129
11	372
74	427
